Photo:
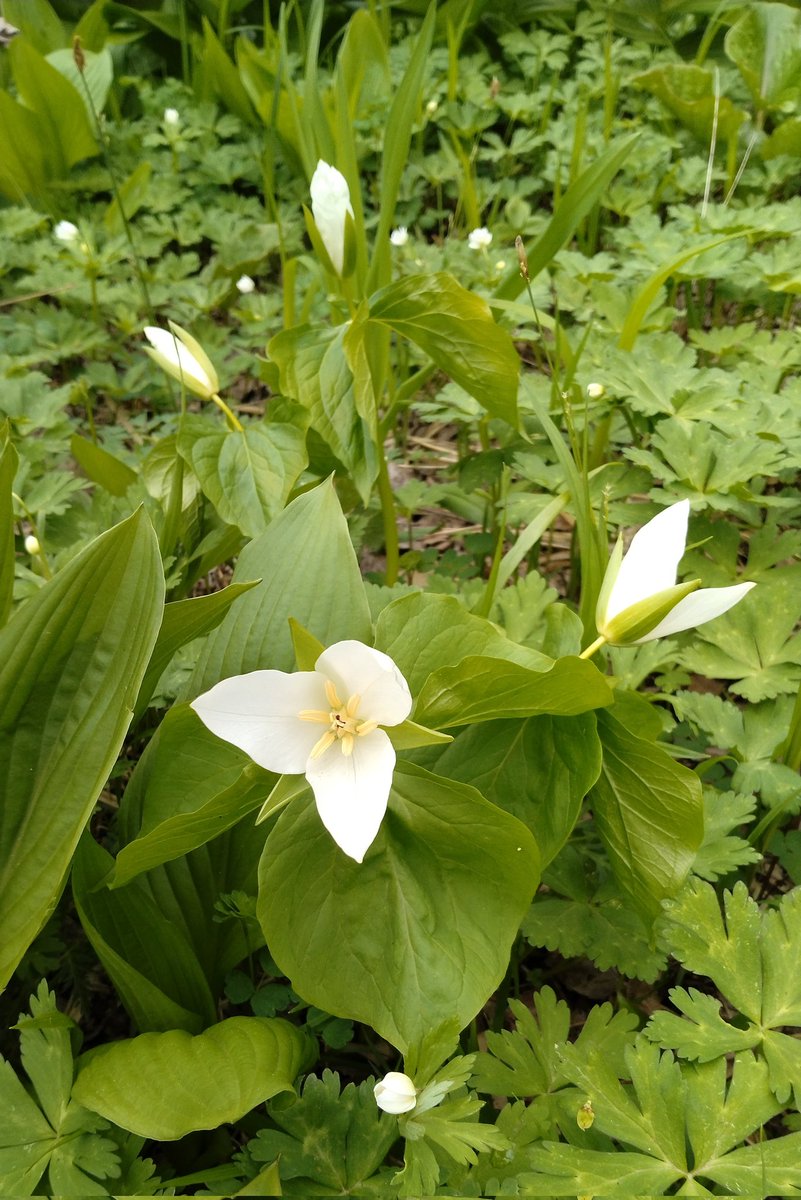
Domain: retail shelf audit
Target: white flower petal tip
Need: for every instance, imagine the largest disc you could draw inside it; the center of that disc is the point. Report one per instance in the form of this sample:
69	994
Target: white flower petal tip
395	1093
327	724
399	236
245	285
177	353
640	599
66	232
330	203
479	239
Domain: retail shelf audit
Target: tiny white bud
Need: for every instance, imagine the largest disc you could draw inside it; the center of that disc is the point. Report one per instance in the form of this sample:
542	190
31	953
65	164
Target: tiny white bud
32	545
399	236
479	239
432	107
245	285
500	264
595	391
65	231
395	1093
172	117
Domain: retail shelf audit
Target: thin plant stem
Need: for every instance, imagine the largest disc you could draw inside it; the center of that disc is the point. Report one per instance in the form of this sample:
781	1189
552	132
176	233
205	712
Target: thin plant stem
593	646
233	420
389	514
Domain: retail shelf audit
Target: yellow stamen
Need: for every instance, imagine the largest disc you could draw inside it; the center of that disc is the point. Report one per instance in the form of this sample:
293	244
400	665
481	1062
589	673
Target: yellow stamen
342	721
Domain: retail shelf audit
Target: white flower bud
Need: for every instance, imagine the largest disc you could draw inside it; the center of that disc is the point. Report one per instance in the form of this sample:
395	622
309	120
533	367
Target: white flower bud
399	236
432	107
65	231
479	239
181	356
595	391
172	117
395	1093
245	285
32	545
330	197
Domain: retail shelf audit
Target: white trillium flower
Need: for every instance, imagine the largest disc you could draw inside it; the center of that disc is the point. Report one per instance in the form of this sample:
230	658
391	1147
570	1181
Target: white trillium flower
640	599
399	236
325	724
65	231
395	1093
479	239
181	356
245	285
172	117
330	197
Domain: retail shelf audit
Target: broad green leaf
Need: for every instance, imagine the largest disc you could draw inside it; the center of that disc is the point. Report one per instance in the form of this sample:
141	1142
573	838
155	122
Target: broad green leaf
54	100
101	467
183	621
315	372
455	328
188	788
330	1140
649	812
148	957
418	933
485	689
71	662
165	1085
25	165
247	475
96	78
309	571
539	770
9	461
38	20
575	205
765	44
424	632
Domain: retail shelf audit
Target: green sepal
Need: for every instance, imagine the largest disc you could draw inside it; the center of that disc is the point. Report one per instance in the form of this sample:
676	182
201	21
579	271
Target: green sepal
409	734
306	646
610	576
288	788
318	245
349	253
639	619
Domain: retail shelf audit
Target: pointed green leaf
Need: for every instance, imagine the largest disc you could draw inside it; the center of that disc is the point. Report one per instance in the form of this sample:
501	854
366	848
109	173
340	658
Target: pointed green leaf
165	1085
455	328
418	933
8	469
71	662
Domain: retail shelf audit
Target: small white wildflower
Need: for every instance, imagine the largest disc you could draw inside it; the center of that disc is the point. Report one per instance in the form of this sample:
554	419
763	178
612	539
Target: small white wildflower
399	236
245	285
172	117
479	239
595	391
65	231
32	545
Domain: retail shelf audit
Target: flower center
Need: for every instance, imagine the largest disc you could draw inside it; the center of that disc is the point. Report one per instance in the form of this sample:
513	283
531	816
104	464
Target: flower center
342	721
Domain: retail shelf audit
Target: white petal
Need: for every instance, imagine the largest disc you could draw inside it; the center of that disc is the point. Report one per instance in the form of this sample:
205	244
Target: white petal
258	712
178	360
697	608
330	197
359	670
652	559
352	790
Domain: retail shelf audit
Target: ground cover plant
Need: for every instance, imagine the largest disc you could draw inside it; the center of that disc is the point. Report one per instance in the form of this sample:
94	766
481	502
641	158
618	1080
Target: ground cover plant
399	593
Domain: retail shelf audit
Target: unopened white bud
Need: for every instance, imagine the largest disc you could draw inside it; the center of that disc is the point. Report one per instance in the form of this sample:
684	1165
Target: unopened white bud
32	545
172	117
65	231
595	391
245	285
395	1093
432	107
